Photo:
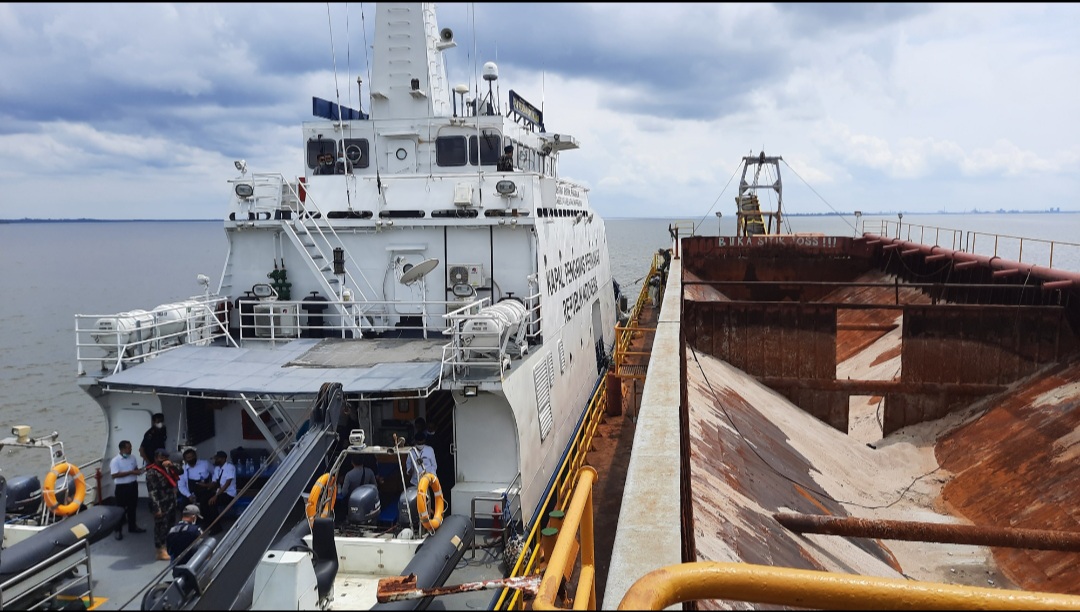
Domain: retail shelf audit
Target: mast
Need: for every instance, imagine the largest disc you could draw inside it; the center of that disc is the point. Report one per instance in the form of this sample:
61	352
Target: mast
751	220
408	78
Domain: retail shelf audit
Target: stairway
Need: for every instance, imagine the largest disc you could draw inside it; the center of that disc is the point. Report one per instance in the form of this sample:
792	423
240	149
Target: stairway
269	416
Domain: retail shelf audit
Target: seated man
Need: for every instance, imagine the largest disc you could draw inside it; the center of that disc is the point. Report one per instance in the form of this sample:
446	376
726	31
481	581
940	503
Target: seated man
183	534
195	485
362	473
224	487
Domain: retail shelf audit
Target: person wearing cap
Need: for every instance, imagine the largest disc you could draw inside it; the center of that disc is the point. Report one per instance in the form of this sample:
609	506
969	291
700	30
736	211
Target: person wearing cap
153	438
183	534
161	478
224	487
506	162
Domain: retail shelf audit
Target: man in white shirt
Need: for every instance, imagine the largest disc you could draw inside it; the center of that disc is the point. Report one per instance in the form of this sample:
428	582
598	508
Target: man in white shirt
125	471
426	457
195	484
224	481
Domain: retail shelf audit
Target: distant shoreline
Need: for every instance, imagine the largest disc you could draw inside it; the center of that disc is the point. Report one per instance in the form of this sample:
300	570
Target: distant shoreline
887	213
110	220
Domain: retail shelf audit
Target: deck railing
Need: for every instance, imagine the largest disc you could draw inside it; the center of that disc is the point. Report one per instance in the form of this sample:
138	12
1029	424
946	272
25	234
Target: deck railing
107	344
1033	251
41	585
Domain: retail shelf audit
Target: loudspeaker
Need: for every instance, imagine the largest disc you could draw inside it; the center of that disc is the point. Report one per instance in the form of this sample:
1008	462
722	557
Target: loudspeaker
446	34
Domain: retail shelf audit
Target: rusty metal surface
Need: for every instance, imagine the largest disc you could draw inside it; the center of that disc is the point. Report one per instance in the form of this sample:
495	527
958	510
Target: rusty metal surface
401	588
977	344
945	533
857	329
789	312
1016	466
733	491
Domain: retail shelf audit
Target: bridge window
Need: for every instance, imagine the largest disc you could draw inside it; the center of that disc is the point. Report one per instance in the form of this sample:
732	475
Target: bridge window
489	146
450	150
320	151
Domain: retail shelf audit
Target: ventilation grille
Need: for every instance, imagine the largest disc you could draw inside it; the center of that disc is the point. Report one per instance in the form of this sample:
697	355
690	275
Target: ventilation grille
542	379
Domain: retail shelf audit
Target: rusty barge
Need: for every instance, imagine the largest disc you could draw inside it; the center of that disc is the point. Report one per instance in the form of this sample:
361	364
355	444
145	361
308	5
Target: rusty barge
880	421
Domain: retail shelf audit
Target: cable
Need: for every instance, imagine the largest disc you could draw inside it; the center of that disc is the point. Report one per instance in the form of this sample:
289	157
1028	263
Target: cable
719	196
842	217
808	489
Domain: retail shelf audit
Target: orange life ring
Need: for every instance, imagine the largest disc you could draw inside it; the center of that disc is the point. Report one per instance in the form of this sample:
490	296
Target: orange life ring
48	491
430	522
316	493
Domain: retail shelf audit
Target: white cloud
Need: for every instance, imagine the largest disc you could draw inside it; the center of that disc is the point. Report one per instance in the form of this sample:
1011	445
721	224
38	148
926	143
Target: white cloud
868	104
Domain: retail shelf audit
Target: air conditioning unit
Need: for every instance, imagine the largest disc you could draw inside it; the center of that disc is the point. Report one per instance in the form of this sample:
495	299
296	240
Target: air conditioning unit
466	274
276	320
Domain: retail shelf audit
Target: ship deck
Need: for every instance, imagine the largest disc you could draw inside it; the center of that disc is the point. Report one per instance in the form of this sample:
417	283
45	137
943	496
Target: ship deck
297	367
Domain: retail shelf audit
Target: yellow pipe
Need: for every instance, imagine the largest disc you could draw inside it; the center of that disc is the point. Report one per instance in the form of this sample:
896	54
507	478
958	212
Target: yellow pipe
585	597
578	515
824	590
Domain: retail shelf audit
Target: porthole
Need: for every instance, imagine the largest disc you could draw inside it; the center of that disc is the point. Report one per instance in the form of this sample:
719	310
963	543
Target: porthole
354	154
401	154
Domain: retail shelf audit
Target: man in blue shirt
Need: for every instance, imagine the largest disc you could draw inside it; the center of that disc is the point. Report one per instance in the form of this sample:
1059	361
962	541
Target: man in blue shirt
183	534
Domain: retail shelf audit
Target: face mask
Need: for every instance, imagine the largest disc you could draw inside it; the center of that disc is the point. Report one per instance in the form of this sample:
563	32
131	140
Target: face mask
125	455
159	425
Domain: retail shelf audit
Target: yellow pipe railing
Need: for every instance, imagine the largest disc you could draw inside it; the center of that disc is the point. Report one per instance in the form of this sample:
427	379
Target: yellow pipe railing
511	599
621	352
675	584
577	524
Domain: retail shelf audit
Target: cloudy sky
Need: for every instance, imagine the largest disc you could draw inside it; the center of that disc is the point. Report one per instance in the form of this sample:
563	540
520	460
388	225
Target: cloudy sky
115	111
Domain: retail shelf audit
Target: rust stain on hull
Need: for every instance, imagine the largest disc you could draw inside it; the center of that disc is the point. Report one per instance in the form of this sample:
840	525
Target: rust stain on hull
1016	467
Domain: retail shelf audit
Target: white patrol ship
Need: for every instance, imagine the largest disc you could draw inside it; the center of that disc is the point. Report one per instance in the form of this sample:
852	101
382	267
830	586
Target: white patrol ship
411	271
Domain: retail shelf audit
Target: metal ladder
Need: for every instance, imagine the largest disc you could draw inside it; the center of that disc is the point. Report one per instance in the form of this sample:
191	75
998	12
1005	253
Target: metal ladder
308	237
279	426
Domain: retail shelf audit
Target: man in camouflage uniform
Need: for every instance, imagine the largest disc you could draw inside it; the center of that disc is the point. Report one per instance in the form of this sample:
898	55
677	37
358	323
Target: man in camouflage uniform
161	486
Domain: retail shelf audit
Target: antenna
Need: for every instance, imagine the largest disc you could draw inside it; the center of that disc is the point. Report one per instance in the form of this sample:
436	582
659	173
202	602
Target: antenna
418	271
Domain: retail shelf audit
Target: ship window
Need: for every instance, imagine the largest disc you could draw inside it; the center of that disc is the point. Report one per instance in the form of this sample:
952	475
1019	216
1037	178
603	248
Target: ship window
490	148
320	148
356	151
450	150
